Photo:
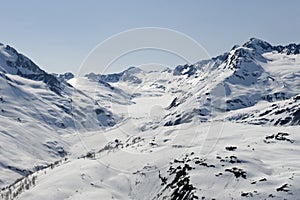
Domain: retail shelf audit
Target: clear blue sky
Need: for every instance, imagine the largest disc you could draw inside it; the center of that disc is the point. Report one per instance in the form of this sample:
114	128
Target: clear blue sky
59	34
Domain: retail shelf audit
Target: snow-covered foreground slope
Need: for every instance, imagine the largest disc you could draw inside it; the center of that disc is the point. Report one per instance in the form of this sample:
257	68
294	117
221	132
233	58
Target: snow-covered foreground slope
168	134
242	162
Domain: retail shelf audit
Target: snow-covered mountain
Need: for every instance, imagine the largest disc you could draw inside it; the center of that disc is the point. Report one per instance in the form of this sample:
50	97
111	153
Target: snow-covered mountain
256	72
195	131
37	110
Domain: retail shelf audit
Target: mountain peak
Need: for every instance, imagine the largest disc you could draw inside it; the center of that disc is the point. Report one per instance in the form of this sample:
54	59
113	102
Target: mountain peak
261	46
15	63
258	45
132	69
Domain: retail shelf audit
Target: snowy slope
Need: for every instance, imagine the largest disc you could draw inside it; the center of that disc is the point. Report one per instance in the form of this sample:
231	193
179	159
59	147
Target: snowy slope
168	134
35	118
176	165
281	113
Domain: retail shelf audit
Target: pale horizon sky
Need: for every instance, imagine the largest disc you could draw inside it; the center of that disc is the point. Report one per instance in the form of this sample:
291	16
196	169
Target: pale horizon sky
58	35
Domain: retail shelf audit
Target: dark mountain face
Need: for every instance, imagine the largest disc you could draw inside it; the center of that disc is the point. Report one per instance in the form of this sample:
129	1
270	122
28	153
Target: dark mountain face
188	70
291	49
17	64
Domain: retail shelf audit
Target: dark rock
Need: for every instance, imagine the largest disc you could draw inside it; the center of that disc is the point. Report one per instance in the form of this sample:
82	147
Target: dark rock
283	188
231	148
237	172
